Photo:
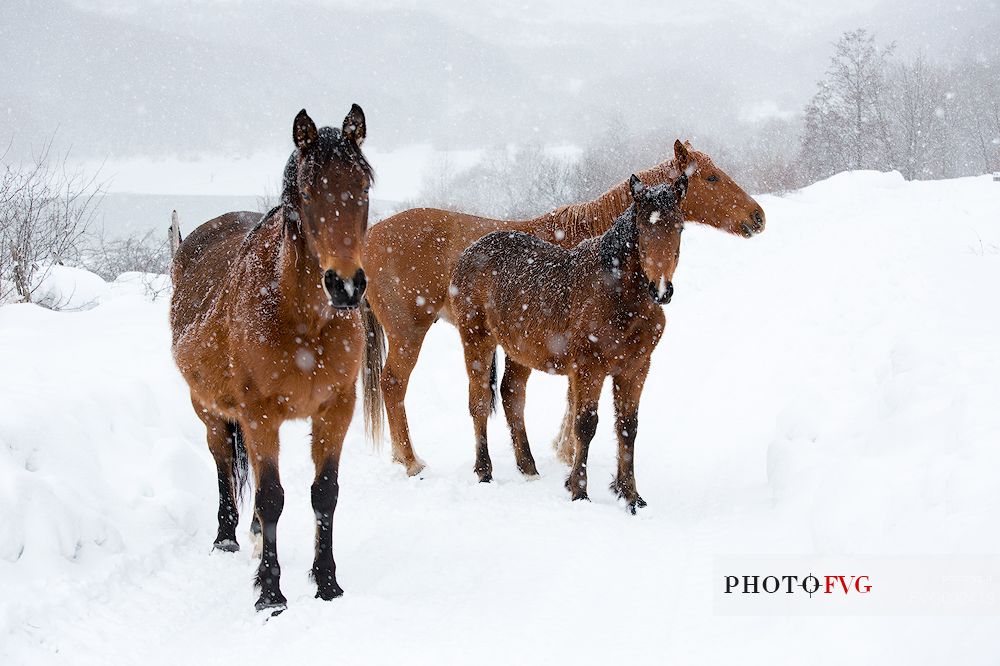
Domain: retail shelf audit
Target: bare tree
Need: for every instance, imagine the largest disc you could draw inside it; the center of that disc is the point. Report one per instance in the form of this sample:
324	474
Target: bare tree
918	100
979	114
609	159
847	124
507	183
45	210
269	199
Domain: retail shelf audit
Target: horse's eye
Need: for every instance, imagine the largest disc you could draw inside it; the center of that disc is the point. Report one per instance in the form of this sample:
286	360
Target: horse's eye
713	178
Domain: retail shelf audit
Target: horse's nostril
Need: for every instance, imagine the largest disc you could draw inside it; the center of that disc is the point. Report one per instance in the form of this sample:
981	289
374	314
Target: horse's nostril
330	279
360	282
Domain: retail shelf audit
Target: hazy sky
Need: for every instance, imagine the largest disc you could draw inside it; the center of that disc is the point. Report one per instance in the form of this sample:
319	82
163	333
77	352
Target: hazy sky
125	77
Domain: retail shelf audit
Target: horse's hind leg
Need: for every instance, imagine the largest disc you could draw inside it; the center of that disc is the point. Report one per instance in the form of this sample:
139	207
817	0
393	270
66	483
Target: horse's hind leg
222	444
480	350
402	357
328	429
586	390
512	390
262	447
627	391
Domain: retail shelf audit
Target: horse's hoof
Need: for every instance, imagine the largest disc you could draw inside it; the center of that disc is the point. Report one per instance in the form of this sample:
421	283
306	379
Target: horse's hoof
636	504
329	592
485	477
226	545
576	484
275	604
415	467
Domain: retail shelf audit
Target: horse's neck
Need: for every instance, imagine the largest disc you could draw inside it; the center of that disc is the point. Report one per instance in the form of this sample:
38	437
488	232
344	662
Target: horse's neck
575	223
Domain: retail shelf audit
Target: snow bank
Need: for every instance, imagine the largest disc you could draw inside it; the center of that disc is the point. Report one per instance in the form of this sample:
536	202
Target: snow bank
68	288
829	387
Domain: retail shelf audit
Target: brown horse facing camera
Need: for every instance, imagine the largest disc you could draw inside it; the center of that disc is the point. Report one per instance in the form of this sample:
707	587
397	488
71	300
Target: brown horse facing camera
589	313
409	258
266	328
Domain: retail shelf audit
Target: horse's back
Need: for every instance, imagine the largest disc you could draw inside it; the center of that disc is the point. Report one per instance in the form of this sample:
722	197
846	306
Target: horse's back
504	263
511	252
416	225
221	235
202	261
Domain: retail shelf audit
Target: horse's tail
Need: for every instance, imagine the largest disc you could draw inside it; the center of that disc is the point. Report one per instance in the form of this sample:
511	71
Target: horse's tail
565	442
174	233
241	463
493	384
371	374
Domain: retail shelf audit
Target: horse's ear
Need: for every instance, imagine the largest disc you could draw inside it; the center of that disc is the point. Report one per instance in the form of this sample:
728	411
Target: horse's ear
303	130
636	186
682	155
680	186
354	125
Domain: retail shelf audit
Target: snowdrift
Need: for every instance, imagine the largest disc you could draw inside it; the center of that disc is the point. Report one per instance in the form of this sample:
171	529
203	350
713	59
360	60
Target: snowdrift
827	387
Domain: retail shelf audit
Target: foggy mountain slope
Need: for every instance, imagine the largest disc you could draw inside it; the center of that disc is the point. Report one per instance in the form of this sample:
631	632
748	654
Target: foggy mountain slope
110	86
220	79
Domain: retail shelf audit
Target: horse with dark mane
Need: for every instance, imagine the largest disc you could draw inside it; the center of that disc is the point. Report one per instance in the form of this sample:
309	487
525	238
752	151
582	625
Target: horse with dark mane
589	313
266	328
409	258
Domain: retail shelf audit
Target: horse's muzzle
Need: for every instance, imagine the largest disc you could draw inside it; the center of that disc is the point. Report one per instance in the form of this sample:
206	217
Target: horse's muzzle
345	294
661	293
754	225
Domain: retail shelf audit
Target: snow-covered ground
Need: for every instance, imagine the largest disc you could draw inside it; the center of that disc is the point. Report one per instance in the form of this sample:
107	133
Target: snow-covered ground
830	387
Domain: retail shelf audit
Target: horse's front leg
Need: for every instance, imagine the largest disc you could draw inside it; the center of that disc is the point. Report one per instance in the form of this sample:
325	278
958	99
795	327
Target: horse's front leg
329	426
585	388
262	448
627	391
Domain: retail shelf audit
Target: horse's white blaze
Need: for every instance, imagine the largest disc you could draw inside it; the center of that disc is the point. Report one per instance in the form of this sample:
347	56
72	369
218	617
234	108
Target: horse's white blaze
654	217
661	288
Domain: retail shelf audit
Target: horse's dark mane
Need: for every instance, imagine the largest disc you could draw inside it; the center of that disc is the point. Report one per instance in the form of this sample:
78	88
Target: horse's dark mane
592	218
329	143
621	237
